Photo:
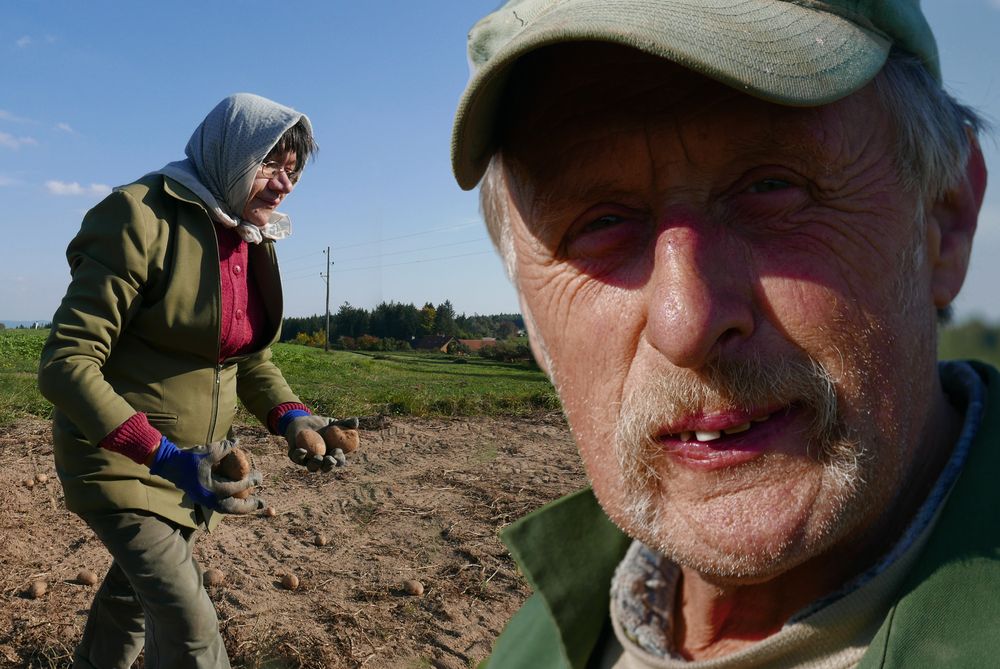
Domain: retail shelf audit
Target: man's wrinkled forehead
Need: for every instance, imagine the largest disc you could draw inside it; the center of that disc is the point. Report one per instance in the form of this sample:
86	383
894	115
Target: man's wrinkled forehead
551	102
550	89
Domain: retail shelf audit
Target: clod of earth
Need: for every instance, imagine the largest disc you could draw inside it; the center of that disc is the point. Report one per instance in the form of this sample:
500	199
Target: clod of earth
413	587
213	577
37	589
86	577
235	466
336	437
290	581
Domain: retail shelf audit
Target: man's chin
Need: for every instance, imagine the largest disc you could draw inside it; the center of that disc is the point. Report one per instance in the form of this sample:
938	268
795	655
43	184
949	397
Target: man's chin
728	564
740	540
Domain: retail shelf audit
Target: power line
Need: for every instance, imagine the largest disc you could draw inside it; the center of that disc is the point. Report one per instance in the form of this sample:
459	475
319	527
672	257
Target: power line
412	234
308	255
302	272
424	248
413	262
290	279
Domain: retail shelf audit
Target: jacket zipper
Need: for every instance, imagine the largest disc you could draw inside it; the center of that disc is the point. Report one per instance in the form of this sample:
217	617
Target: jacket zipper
215	404
218	336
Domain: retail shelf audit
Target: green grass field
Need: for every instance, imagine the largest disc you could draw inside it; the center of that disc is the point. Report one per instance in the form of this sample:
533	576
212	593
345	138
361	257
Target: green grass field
19	396
342	383
337	383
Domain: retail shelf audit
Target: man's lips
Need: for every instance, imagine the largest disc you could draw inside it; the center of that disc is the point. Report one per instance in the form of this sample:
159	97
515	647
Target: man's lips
713	426
728	438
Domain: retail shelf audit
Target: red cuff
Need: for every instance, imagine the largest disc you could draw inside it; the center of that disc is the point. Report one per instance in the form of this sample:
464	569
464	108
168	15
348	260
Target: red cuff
275	414
135	438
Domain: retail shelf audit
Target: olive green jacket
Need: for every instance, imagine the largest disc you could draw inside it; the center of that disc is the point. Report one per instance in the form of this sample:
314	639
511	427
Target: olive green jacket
139	330
947	614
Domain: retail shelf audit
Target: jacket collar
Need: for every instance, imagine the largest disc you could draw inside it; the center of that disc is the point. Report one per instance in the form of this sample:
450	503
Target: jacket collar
181	192
947	612
568	551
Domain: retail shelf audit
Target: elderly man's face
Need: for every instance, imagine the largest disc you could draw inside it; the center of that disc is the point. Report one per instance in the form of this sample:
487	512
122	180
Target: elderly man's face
735	301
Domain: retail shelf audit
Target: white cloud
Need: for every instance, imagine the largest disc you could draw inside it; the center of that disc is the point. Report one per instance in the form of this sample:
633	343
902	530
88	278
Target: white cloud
74	188
13	118
12	142
65	127
22	42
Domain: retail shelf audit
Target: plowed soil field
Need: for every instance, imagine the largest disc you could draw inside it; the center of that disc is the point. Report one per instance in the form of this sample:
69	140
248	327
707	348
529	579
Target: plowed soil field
422	500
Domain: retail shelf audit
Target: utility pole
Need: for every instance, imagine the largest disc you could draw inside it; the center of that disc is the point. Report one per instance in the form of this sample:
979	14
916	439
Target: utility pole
326	340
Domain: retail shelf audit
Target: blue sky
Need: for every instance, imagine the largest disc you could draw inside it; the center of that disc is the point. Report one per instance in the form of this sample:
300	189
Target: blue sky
97	93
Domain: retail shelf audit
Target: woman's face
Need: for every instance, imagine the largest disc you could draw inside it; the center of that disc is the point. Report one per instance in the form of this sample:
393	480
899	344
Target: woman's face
267	193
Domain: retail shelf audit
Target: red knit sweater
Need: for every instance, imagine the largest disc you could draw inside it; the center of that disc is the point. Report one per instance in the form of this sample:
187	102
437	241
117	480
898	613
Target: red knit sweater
243	323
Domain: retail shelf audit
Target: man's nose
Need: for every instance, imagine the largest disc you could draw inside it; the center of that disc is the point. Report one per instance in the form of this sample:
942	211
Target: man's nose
700	296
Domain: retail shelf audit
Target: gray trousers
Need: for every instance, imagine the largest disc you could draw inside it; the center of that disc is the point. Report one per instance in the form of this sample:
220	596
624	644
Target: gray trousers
153	596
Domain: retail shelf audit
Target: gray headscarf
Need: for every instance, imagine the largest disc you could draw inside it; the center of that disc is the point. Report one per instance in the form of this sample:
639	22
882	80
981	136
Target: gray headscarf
223	155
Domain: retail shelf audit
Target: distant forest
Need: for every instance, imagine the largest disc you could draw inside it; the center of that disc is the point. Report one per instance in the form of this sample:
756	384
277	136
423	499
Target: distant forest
404	322
971	338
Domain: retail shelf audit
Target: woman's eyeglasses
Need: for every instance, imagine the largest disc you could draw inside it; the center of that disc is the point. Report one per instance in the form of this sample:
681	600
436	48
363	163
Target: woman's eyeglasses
270	169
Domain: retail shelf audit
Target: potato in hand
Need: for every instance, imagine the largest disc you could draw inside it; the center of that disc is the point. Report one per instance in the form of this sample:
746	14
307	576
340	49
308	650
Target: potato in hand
315	447
337	437
235	467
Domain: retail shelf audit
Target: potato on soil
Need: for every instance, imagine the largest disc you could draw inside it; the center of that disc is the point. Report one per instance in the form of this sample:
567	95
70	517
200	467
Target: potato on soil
235	466
41	478
290	582
86	577
270	512
337	437
320	539
413	587
37	589
213	577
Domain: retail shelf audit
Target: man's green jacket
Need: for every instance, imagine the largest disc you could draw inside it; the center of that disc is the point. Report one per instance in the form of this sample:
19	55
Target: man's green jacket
947	613
139	330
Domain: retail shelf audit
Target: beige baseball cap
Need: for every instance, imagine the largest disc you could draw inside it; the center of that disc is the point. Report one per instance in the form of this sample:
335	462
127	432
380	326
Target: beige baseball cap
793	52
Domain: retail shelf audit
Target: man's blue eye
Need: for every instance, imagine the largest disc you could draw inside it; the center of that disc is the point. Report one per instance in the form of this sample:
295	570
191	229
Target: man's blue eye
768	185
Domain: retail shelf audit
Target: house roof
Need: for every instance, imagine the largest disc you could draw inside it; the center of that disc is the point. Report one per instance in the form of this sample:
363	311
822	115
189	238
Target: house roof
476	344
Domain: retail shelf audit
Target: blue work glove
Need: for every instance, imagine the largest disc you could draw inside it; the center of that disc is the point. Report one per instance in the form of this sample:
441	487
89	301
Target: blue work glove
190	469
295	421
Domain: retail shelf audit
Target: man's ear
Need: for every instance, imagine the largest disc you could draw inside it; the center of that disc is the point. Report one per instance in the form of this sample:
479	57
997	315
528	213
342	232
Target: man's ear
951	225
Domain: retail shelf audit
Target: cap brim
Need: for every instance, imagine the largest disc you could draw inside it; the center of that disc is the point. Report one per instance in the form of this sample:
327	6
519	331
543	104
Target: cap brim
772	49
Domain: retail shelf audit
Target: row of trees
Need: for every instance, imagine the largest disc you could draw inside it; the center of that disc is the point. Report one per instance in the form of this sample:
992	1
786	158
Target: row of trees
37	325
404	322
